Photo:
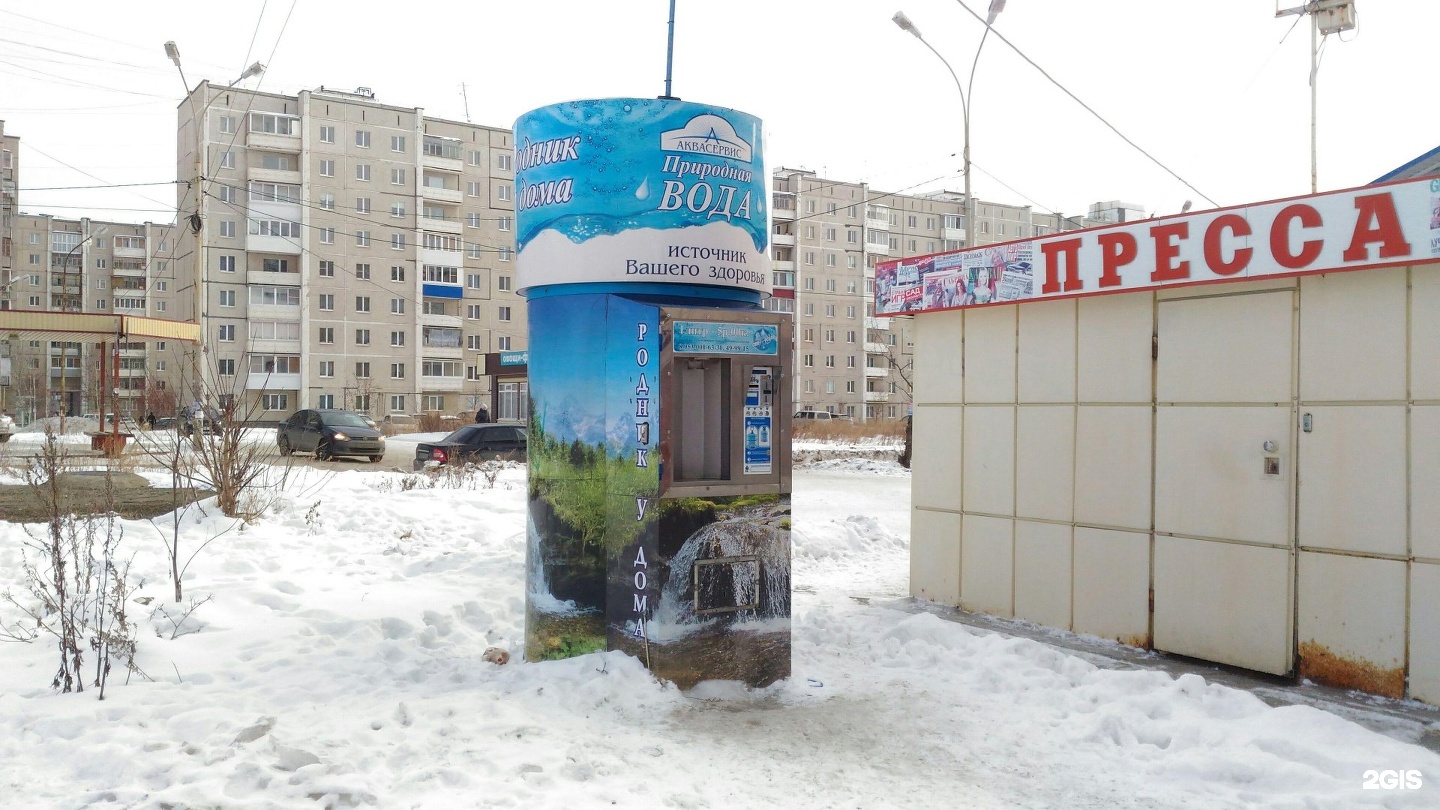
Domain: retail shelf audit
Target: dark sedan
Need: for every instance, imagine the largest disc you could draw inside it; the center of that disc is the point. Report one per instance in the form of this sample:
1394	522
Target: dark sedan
329	434
474	443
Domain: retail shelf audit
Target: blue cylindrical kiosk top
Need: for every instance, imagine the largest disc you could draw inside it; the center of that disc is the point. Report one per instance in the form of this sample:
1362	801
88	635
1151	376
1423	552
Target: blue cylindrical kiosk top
651	191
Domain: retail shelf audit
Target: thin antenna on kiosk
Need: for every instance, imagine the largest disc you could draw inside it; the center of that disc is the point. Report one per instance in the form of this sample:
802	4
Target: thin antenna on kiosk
670	52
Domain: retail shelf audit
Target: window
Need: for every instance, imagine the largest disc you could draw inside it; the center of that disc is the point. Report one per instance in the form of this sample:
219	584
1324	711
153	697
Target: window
397	403
274	330
830	285
440	241
472	312
503	343
227	298
327	169
502	283
473	343
327	268
397	338
362	337
272	124
829	259
362	303
473	157
397	177
277	161
227	333
442	274
227	228
227	264
362	171
472	250
397	241
397	143
362	401
162	286
397	306
274	192
809	257
275	296
362	239
829	310
433	307
325	401
502	191
227	160
830	335
434	402
397	209
809	309
274	364
362	371
472	280
849	386
362	138
472	189
504	254
503	223
850	361
326	368
327	236
327	301
227	125
809	361
274	227
397	371
472	220
229	194
327	134
504	314
362	271
327	334
440	368
100	302
362	205
159	305
830	361
275	402
503	161
327	202
225	368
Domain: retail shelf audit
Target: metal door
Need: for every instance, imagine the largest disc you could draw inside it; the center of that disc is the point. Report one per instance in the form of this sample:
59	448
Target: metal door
1224	478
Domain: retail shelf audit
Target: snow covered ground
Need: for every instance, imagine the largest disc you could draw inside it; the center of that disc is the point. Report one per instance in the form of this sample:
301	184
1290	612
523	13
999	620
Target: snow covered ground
339	664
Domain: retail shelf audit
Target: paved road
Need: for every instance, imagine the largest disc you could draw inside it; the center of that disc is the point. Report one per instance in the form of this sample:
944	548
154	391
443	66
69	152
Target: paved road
398	455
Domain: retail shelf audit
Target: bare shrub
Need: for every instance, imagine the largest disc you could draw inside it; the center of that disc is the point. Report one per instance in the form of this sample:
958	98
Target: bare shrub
77	584
877	431
433	422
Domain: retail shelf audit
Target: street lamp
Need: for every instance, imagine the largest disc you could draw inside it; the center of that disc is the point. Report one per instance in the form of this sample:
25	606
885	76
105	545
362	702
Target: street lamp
196	219
996	6
79	307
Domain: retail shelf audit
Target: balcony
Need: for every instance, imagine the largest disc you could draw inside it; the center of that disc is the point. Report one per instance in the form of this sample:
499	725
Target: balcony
780	266
129	252
877	248
876	348
441	384
426	319
270	279
878	219
782	239
953	234
275	175
272	141
872	371
275	346
450	225
877	323
440	193
128	268
877	396
260	381
782	214
441	153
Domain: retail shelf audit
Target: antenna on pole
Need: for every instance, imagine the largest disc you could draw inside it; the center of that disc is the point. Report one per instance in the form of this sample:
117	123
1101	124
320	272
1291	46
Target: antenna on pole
670	52
466	96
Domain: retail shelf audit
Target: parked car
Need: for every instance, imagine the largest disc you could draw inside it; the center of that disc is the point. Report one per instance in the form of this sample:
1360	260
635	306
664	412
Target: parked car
819	416
329	433
165	423
7	427
474	443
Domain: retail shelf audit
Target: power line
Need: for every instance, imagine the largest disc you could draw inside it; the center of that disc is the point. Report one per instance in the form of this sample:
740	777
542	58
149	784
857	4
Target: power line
88	174
55	79
106	185
1087	107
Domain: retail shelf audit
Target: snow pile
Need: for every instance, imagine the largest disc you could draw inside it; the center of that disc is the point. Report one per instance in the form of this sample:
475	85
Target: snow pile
340	664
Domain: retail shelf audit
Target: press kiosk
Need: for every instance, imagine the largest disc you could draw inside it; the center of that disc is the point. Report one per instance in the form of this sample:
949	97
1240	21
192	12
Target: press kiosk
659	489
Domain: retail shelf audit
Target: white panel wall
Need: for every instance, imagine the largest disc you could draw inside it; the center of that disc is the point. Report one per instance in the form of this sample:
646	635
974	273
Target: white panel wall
1067	476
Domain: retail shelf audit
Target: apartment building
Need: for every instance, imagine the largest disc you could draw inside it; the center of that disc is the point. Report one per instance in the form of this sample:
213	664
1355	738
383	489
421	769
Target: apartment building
86	265
826	237
346	253
9	207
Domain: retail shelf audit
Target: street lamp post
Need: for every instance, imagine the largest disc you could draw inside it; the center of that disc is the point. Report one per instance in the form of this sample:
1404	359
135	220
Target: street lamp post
1326	17
79	306
966	94
196	220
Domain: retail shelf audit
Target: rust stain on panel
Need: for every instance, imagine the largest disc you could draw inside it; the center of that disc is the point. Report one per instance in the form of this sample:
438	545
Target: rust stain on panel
1143	642
1321	665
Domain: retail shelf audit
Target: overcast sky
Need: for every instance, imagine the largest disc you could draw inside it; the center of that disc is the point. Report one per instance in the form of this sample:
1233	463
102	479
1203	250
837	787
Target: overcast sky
1215	90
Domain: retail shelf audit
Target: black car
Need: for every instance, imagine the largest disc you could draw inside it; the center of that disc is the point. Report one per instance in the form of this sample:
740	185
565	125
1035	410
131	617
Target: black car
328	434
474	443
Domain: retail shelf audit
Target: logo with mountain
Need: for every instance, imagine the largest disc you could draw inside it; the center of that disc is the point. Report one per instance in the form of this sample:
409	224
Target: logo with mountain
707	134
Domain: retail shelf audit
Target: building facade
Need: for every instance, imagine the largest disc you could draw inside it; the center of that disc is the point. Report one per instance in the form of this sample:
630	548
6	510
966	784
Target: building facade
345	253
826	237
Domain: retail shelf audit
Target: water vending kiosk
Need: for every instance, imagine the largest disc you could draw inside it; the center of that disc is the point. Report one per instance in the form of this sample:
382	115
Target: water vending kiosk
659	519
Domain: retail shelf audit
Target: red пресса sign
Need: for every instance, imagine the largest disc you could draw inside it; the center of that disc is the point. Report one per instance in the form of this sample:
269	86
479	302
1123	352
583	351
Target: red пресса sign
1374	226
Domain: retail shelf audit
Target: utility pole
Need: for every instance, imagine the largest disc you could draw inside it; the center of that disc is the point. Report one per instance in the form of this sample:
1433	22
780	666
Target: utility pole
1326	17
